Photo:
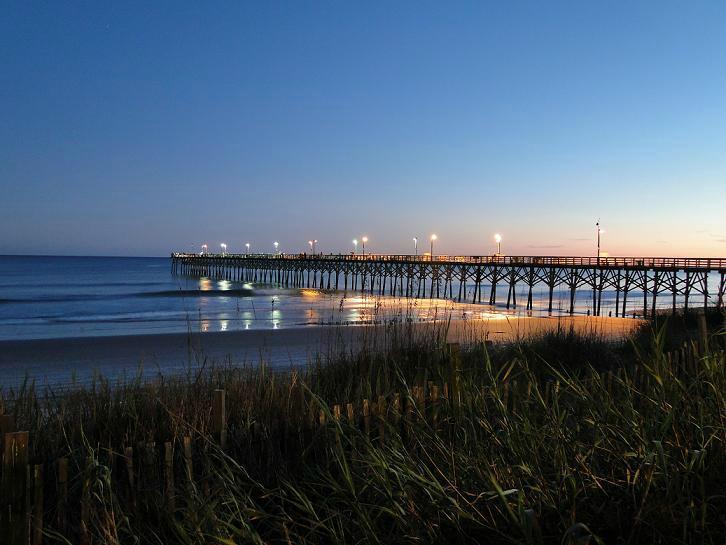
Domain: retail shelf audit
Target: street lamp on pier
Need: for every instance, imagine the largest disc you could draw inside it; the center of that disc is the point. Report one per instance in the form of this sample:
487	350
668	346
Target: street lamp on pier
364	240
598	239
277	245
498	240
415	245
247	245
204	249
355	246
312	245
433	237
224	248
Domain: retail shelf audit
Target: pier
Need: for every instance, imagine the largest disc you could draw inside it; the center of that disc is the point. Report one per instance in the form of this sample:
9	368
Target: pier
684	282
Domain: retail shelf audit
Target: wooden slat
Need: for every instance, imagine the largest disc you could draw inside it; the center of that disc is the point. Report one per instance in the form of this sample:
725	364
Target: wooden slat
188	458
219	417
37	531
62	494
13	489
169	475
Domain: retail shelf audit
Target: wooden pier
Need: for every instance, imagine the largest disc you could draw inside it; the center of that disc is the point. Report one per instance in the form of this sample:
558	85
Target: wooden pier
683	281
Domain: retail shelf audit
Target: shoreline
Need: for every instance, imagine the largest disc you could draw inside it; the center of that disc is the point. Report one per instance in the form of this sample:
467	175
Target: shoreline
62	361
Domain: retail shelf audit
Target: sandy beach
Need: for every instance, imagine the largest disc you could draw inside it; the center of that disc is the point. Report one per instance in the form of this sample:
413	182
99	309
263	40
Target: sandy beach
62	361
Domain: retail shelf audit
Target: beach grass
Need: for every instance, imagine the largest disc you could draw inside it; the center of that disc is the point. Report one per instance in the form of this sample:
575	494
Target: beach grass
561	438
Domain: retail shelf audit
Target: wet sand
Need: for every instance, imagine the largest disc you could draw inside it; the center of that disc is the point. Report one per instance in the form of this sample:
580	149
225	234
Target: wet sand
63	361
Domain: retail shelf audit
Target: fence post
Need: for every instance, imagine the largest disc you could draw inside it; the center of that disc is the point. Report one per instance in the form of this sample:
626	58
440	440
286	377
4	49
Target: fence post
434	397
62	493
38	504
188	458
366	417
129	463
150	468
169	474
396	408
219	417
382	415
85	537
455	355
13	489
702	333
7	423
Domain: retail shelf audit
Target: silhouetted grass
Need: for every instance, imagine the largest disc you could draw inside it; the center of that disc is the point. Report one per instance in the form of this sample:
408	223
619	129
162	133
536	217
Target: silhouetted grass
560	439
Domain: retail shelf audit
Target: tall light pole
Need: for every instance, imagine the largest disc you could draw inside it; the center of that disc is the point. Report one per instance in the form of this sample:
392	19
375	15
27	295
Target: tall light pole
247	245
498	240
355	246
204	249
224	248
415	246
433	237
277	245
312	245
364	240
597	224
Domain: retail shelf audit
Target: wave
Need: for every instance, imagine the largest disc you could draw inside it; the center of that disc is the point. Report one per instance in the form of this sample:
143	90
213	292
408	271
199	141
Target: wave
141	317
238	292
59	298
24	285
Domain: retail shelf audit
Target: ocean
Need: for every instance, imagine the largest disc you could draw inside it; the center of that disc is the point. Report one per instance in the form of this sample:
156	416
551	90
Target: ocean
62	297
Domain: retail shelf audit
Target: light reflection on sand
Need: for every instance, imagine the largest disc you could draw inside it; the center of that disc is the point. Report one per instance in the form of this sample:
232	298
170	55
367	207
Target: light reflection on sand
276	308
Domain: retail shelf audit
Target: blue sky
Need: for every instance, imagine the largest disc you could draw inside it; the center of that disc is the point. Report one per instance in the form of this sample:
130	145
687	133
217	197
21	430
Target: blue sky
138	128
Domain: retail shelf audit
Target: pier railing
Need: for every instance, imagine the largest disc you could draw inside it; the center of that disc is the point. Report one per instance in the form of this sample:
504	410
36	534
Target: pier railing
692	263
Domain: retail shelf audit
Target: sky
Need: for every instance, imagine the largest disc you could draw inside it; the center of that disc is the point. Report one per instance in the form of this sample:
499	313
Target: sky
139	128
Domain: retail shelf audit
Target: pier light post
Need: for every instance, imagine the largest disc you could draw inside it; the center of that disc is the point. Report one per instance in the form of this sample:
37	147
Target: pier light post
277	245
433	237
415	246
312	245
355	246
498	240
204	249
224	248
247	245
597	225
364	240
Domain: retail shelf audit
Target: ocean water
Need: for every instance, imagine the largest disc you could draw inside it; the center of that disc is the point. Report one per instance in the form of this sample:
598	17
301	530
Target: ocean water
55	297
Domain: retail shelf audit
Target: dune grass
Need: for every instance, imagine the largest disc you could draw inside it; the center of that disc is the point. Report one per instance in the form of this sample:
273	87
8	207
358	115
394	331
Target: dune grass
559	439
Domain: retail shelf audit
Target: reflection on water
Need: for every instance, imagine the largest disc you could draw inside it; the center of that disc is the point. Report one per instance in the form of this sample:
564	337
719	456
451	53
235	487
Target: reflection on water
276	308
310	294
